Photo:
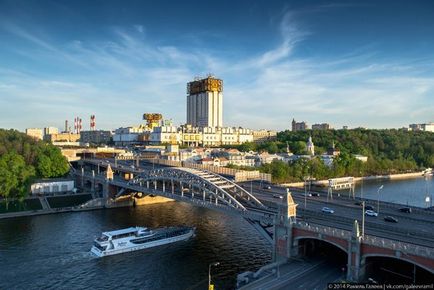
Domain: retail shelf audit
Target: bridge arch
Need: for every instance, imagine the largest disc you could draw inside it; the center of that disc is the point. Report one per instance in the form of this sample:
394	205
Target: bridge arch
316	246
199	182
374	262
307	237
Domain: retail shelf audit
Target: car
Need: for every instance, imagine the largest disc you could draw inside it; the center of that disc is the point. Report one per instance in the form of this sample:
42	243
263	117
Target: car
315	194
307	194
359	203
405	209
278	196
369	207
327	210
390	219
371	213
266	187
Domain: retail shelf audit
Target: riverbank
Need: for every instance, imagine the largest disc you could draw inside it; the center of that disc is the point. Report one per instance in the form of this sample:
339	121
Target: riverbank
65	203
401	176
44	206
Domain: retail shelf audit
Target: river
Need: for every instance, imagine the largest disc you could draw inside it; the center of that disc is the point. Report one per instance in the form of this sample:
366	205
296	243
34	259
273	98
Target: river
409	191
52	251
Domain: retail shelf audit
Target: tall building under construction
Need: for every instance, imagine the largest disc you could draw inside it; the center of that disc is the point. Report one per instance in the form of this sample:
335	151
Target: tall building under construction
205	102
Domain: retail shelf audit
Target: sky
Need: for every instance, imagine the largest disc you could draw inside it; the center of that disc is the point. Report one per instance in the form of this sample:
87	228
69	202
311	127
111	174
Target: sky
353	63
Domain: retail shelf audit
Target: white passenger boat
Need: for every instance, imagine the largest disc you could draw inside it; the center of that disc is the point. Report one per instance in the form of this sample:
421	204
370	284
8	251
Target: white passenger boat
138	238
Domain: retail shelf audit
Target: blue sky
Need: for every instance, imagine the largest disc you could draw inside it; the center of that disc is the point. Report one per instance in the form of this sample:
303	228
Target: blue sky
355	63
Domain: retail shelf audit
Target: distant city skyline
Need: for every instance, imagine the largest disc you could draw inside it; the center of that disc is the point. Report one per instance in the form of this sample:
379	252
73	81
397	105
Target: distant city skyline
360	64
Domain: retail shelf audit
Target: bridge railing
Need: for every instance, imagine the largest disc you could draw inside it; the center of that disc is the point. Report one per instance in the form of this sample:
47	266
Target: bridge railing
403	247
399	246
329	231
239	175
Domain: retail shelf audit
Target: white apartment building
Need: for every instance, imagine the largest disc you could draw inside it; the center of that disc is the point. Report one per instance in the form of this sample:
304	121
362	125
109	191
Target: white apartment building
130	135
205	102
422	127
200	136
165	134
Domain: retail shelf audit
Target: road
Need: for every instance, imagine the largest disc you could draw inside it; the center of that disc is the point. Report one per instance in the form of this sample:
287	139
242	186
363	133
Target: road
415	227
302	275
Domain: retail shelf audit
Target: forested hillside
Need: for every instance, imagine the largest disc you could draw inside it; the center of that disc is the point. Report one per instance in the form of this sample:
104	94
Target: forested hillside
388	151
23	159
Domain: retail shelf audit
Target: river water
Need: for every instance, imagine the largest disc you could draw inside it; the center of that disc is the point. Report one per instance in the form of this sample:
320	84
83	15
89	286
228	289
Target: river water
410	191
52	251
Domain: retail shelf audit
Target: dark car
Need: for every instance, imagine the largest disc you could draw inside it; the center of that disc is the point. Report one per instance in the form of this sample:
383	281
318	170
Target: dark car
390	219
369	207
359	203
266	187
315	194
405	209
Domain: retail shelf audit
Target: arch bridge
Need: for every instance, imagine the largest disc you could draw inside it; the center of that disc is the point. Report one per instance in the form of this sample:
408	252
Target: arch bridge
199	187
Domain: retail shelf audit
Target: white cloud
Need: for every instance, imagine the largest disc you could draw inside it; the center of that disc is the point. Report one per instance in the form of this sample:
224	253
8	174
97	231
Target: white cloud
122	78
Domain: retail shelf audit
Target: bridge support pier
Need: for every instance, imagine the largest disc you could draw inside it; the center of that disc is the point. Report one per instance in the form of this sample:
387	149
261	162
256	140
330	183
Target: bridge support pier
283	230
354	248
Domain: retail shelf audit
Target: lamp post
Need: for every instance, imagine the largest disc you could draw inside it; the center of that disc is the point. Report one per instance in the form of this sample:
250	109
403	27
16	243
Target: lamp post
209	273
363	219
378	198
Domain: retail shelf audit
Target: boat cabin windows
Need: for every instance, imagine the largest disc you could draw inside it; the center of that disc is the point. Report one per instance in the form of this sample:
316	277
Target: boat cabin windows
121	236
103	238
99	247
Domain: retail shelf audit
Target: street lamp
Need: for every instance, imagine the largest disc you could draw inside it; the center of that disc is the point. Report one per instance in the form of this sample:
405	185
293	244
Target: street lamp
378	198
209	273
363	219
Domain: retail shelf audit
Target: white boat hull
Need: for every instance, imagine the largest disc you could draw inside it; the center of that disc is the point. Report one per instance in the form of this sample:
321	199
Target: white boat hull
130	247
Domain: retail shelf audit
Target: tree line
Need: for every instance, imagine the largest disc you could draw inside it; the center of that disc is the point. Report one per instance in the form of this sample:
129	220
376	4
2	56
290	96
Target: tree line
24	159
389	151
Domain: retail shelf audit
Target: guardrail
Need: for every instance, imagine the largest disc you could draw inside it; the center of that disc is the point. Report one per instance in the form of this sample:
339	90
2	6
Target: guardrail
403	247
329	231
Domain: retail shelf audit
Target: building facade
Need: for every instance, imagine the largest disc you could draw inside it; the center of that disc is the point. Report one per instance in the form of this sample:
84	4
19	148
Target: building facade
205	102
62	137
323	126
96	137
50	130
261	136
299	126
183	135
429	127
35	133
52	186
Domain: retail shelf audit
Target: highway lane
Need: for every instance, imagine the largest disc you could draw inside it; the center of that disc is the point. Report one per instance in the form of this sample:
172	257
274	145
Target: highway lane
415	216
405	230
